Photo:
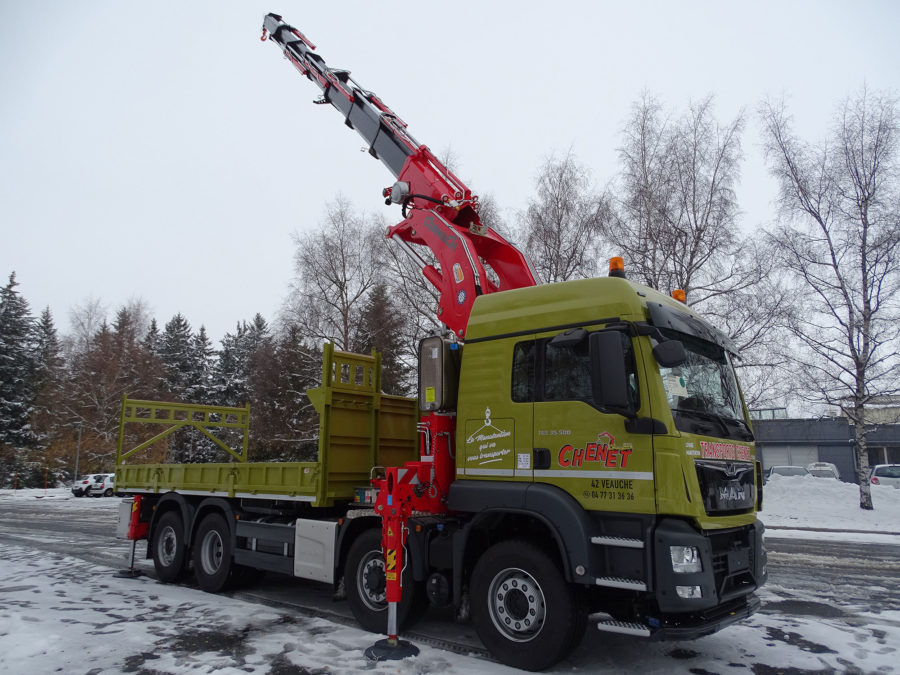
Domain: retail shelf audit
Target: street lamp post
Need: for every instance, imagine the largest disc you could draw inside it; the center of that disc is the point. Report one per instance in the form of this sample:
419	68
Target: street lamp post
77	449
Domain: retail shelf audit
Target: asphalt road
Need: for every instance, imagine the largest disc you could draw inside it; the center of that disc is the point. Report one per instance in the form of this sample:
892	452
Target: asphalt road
807	579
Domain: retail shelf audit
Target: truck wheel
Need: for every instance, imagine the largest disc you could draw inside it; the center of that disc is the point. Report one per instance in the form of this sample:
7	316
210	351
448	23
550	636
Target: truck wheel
212	553
169	554
366	586
523	610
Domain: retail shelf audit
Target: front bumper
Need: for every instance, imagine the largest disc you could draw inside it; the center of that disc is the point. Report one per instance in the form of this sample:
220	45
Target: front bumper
704	623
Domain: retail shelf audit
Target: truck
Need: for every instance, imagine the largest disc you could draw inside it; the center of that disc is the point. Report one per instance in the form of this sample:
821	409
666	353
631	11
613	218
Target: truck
577	452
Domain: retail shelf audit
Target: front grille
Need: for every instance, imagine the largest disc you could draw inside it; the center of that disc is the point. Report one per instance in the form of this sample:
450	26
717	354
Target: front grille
726	487
733	561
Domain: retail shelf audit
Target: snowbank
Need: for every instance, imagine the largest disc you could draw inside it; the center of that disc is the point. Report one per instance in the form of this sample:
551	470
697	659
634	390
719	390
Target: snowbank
805	501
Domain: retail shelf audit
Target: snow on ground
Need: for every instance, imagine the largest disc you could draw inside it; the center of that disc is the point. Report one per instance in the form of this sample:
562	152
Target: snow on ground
827	504
62	614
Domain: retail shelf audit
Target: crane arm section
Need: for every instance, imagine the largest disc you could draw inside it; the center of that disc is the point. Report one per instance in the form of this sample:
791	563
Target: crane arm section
439	211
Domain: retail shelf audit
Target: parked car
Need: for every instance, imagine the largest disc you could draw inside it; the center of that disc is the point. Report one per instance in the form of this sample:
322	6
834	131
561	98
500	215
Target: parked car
785	471
84	485
823	470
103	485
885	474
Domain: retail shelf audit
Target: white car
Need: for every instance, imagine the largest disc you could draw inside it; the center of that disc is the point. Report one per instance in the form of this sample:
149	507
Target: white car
784	471
83	486
103	485
885	474
823	470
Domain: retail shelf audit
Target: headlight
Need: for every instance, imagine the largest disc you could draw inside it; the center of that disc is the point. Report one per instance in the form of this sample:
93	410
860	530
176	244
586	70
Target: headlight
689	592
685	559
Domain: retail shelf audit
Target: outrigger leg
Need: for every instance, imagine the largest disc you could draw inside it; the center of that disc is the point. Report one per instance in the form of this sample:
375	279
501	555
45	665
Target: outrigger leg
395	514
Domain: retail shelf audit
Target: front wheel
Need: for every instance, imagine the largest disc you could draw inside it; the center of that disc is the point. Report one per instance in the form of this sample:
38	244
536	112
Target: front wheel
169	549
523	610
366	586
108	492
212	553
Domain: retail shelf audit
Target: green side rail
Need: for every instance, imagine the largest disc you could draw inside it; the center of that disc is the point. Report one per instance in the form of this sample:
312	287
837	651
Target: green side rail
359	428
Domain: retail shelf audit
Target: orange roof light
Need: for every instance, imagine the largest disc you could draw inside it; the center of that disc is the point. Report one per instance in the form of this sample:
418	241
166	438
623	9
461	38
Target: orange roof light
617	267
679	295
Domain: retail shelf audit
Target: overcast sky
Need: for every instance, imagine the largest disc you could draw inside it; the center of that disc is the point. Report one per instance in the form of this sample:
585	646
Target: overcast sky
161	151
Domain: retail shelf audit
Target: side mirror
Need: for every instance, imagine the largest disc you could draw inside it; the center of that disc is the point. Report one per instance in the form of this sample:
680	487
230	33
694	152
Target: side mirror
670	353
608	373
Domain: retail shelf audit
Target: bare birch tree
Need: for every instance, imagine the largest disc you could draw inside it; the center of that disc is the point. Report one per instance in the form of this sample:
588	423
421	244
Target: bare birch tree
674	217
335	268
840	239
561	225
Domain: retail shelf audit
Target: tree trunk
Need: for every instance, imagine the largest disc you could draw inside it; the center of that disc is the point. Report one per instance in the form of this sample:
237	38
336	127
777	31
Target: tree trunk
862	459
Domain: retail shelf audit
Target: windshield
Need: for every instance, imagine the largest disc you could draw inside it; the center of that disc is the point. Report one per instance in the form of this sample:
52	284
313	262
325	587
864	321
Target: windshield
703	392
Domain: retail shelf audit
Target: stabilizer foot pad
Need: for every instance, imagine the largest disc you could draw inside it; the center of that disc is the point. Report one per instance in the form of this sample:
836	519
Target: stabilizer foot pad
388	650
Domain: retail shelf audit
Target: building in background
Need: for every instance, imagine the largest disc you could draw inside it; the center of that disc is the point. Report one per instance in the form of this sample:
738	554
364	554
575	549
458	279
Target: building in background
781	440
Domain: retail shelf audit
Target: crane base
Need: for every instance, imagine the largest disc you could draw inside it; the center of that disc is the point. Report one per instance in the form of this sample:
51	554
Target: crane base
391	650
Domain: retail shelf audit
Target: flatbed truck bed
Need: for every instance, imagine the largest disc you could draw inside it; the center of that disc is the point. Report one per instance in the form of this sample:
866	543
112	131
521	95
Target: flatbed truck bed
359	428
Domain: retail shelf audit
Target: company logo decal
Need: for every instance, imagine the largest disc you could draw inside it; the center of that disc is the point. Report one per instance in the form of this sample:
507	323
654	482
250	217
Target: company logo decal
489	443
725	451
449	240
602	453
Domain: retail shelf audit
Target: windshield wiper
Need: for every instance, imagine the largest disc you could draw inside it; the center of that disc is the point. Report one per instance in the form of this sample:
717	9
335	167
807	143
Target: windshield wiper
744	427
743	431
690	412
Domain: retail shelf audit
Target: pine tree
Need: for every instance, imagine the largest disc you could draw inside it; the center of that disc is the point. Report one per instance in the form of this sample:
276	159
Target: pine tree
230	387
176	354
381	328
151	340
199	379
17	372
48	376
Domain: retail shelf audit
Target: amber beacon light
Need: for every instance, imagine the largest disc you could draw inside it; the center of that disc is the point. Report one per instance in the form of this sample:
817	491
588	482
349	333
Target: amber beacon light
617	267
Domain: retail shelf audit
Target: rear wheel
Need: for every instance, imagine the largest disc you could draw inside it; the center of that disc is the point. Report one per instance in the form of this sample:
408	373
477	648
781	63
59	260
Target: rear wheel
523	610
169	550
366	586
212	553
87	492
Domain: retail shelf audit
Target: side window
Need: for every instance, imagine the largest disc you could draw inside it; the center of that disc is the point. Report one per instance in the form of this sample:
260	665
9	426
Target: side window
542	371
567	372
523	372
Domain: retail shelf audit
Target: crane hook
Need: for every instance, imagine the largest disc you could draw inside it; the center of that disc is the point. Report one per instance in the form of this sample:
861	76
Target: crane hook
264	36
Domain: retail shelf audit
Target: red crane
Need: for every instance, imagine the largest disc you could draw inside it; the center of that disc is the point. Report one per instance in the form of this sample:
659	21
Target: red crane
439	210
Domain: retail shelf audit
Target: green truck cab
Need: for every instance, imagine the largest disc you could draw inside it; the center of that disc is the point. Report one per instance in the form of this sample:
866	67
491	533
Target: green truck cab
605	417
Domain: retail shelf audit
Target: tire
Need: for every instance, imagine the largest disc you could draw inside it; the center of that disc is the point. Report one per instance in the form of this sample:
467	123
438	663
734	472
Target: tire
523	610
169	548
108	492
212	553
365	584
87	492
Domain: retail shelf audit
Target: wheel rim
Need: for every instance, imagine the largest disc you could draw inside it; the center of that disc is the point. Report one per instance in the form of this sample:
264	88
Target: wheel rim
370	581
211	552
516	604
168	546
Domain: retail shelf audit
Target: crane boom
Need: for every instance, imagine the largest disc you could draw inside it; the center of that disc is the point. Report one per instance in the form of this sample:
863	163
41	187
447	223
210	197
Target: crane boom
439	211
